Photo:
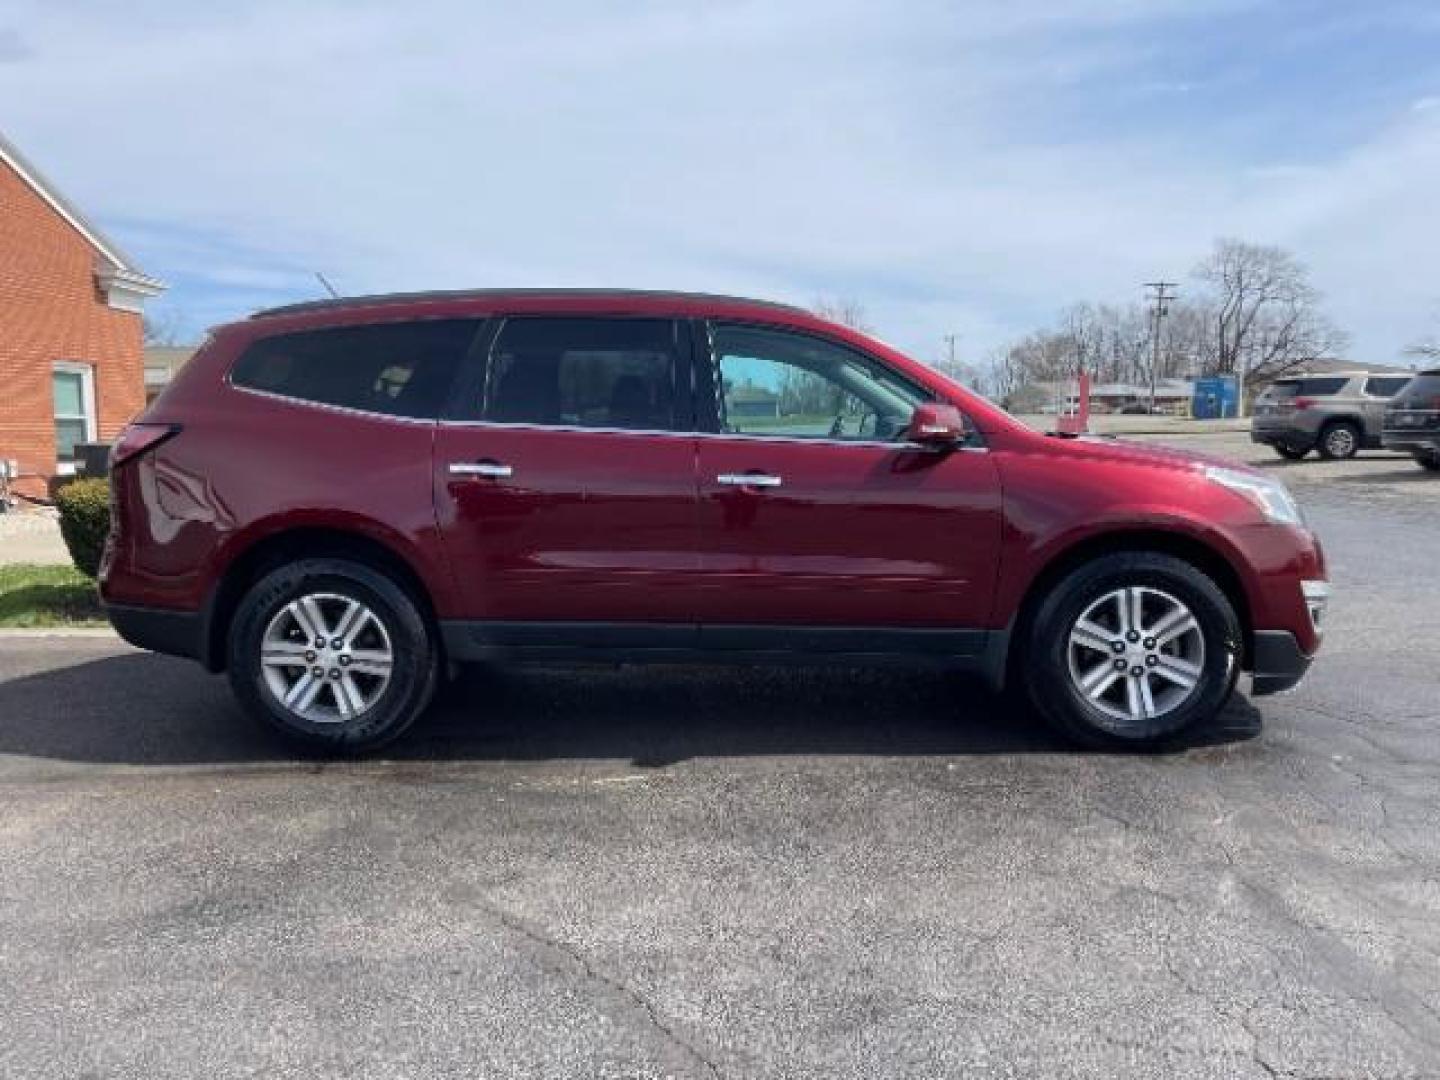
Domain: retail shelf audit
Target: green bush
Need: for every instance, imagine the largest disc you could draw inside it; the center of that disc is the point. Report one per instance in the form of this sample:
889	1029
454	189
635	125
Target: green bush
84	521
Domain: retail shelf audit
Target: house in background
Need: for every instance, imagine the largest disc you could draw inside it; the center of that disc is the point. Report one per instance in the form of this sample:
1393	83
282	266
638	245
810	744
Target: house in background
752	402
162	362
71	359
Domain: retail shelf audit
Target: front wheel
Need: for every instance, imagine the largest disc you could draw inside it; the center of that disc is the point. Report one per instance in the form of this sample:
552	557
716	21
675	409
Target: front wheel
1429	460
1131	649
332	653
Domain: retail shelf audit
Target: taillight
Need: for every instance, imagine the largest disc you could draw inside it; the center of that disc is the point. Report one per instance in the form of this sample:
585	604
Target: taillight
137	439
1303	403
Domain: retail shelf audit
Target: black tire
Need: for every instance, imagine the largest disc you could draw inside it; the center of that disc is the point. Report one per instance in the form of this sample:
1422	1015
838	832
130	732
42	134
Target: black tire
413	674
1291	453
1429	461
1045	663
1339	440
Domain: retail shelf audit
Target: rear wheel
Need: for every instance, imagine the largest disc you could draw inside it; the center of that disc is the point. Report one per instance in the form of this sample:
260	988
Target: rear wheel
332	653
1339	440
1429	460
1130	650
1290	453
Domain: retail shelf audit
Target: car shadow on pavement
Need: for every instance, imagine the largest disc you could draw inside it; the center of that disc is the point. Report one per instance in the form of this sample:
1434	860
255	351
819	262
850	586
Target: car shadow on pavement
150	711
1413	474
1308	464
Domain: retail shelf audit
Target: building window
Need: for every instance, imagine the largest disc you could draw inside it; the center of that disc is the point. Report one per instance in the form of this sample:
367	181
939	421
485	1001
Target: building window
74	386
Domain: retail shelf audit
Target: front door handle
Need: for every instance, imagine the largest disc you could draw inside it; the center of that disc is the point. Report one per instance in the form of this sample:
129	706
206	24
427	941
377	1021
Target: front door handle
753	480
491	469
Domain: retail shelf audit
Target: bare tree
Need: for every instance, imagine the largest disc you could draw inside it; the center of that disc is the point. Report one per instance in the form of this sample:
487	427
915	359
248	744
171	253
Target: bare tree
158	329
1001	376
1267	317
1426	349
847	311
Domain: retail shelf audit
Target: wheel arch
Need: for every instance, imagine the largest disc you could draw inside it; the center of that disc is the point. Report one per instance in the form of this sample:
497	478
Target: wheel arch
1198	553
275	548
1354	420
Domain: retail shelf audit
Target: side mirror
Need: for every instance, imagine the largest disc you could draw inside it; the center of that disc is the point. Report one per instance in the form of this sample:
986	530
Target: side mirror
935	424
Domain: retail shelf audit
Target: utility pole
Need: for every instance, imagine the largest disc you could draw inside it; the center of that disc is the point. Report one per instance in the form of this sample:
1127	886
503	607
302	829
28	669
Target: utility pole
1163	294
950	340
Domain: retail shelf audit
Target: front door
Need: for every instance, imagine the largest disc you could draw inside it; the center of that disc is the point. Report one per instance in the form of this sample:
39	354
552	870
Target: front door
565	483
816	512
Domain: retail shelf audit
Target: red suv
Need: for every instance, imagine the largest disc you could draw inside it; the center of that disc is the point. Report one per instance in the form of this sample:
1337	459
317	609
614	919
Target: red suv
336	502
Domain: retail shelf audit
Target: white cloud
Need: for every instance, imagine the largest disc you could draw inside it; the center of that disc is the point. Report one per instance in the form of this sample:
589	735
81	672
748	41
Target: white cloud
786	150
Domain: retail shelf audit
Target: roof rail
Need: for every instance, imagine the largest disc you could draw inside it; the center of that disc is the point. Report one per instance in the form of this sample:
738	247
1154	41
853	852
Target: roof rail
381	299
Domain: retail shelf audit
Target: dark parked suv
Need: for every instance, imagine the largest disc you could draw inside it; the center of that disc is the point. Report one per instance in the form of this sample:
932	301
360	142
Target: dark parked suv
1412	423
337	502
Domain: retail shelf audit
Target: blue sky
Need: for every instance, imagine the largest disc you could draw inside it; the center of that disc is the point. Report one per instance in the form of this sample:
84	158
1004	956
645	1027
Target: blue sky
956	167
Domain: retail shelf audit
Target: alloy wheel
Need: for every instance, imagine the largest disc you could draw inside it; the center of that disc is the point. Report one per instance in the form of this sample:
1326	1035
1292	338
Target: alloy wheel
1340	442
1136	654
326	658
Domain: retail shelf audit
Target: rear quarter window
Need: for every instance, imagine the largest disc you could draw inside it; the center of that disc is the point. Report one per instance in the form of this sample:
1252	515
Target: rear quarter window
1317	387
1386	385
394	369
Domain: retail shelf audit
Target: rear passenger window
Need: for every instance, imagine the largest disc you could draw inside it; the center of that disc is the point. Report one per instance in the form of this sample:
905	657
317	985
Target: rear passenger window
600	373
1320	387
1386	386
1317	387
396	369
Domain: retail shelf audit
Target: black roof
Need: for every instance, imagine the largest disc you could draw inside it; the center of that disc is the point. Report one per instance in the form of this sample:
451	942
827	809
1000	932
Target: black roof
380	299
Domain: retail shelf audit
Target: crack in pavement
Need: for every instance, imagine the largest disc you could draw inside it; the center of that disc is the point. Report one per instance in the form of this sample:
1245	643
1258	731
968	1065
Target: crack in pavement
573	959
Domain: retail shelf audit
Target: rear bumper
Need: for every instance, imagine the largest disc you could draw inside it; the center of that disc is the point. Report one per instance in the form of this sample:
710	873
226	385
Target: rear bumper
1298	438
176	633
1279	664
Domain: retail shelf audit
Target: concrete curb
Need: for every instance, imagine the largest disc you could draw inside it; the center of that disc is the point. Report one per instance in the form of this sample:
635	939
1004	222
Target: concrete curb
26	632
1183	433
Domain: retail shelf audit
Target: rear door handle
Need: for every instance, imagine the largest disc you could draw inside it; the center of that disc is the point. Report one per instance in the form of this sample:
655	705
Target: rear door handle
492	469
755	480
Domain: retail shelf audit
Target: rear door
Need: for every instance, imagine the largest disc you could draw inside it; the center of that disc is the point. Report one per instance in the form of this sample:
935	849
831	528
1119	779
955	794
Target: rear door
815	511
564	479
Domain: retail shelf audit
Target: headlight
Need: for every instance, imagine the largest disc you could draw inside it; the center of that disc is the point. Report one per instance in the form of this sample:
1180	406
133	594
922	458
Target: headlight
1271	497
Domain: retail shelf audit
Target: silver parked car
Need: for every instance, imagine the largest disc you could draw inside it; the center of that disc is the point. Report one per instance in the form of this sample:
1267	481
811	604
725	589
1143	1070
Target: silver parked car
1337	413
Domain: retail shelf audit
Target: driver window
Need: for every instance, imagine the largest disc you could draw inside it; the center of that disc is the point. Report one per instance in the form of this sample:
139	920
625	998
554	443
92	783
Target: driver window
770	382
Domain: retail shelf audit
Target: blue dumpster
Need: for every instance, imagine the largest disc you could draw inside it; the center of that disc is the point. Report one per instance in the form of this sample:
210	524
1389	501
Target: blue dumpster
1216	398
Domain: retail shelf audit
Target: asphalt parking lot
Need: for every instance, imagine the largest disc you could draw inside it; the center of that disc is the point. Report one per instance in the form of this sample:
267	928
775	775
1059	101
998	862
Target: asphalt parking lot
766	873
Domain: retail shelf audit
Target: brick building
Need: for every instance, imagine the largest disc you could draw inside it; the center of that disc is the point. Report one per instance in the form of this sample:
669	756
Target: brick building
71	358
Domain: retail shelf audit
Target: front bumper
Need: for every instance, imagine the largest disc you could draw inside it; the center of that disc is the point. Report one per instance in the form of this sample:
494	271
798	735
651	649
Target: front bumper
1278	662
1412	442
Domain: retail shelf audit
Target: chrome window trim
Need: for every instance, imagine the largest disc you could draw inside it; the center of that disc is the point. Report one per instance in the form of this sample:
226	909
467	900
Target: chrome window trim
803	440
325	406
